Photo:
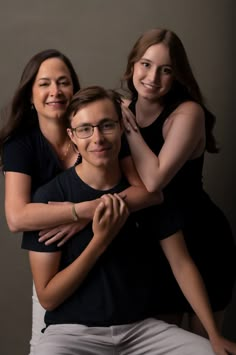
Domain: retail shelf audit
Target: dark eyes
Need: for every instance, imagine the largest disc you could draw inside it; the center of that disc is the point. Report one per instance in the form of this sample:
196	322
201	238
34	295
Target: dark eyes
84	129
64	83
145	64
162	69
166	70
60	83
43	84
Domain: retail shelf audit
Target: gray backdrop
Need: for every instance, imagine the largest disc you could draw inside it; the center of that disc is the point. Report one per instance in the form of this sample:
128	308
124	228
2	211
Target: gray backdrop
97	36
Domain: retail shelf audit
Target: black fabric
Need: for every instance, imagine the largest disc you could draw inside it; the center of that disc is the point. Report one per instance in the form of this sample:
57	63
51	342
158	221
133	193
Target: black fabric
120	287
29	152
206	230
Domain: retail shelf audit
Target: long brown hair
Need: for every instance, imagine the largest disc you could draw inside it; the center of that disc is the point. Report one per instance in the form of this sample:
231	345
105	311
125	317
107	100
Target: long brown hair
19	113
185	86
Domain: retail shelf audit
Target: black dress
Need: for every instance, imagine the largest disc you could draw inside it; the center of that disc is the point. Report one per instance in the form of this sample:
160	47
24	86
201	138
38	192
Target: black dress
206	230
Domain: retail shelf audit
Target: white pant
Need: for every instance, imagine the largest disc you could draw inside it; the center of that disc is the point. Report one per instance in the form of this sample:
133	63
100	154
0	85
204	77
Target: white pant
148	337
38	313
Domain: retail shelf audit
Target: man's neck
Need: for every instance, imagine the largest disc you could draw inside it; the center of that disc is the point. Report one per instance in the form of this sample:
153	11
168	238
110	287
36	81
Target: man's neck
99	178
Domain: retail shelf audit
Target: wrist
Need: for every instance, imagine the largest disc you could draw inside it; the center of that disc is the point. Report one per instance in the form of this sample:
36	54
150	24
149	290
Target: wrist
86	209
75	215
213	334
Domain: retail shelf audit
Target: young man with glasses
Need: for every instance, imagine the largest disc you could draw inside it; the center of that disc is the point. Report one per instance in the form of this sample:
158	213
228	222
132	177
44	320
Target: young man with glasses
99	288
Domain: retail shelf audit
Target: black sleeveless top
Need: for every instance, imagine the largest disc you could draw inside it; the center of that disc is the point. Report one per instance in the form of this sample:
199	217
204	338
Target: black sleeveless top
189	177
185	191
206	230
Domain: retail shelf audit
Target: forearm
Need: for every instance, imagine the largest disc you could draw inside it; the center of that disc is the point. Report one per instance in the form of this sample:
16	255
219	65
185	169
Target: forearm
193	288
38	216
66	282
146	162
138	198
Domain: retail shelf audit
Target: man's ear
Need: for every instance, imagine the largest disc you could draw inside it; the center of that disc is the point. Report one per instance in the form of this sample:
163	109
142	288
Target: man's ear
71	135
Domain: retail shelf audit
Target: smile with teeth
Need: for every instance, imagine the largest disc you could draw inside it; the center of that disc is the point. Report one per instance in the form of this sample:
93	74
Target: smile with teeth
56	103
150	86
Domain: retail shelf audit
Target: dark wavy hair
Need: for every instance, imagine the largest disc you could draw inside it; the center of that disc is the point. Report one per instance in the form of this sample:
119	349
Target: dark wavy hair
185	86
19	113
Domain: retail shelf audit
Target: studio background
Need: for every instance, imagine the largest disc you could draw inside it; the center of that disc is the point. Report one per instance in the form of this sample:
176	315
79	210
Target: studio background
97	36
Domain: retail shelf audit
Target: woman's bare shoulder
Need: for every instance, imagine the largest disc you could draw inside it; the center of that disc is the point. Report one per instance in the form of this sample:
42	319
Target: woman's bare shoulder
190	106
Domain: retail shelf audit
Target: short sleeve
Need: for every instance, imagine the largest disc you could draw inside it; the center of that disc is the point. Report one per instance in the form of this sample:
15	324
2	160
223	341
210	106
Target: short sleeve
30	242
18	156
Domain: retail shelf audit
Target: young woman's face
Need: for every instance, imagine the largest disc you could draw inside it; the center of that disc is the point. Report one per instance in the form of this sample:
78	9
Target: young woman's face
52	89
153	73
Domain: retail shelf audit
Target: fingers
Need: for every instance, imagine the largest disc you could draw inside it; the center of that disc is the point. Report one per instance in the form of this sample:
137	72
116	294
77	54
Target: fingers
50	236
54	239
48	233
109	218
115	205
64	240
99	212
129	120
123	209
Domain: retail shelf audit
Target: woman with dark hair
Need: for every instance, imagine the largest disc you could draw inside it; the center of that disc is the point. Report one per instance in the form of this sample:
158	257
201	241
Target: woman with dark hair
35	147
34	135
169	128
34	139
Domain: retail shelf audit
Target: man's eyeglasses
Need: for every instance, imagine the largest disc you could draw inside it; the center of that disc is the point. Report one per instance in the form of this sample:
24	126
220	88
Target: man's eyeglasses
86	131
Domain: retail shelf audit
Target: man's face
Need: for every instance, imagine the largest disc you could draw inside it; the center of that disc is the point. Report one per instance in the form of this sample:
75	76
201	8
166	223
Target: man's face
99	146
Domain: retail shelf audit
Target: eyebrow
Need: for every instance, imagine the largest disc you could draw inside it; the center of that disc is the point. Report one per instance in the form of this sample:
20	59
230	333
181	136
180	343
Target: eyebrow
58	79
103	120
150	61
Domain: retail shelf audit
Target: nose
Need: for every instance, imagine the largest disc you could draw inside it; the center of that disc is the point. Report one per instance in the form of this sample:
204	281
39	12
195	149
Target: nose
154	75
97	135
54	89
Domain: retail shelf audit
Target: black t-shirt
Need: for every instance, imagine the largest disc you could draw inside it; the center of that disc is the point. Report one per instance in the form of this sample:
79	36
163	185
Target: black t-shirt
120	287
28	152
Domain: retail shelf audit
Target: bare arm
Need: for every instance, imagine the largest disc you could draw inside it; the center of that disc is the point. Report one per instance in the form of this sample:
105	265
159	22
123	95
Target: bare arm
184	134
54	286
22	215
137	196
193	288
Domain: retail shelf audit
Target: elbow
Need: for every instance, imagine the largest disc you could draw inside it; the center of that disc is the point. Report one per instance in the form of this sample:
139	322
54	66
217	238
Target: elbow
49	301
48	305
151	187
13	223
